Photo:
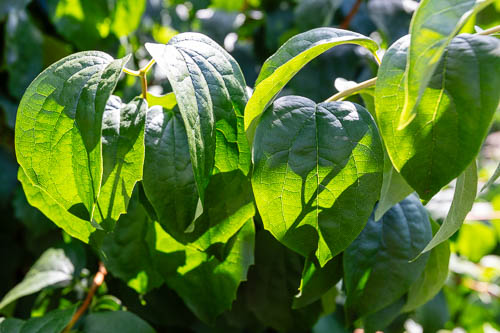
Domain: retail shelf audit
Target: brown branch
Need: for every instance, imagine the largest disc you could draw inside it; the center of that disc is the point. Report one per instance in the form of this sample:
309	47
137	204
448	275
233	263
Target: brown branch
96	283
347	21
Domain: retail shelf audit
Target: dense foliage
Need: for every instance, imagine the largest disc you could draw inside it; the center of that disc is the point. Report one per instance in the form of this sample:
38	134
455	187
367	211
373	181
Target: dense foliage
187	201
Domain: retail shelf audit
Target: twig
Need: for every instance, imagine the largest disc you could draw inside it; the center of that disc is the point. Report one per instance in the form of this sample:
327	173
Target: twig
347	21
351	91
96	283
490	31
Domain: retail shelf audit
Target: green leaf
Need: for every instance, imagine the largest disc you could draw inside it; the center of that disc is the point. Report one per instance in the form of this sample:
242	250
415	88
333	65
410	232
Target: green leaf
279	69
476	240
316	280
23	51
122	156
379	320
53	322
432	278
125	251
272	285
211	95
126	16
54	268
492	179
58	129
166	101
115	321
71	224
394	189
206	282
377	267
318	173
169	182
433	26
453	116
463	199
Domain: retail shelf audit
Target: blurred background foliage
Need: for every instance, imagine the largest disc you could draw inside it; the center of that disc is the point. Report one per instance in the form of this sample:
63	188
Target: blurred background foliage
36	33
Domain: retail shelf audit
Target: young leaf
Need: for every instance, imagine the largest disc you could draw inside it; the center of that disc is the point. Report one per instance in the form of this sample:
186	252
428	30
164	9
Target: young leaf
463	199
318	173
122	155
54	267
380	257
394	189
433	26
453	116
74	226
316	280
207	283
115	321
432	278
288	60
54	322
58	128
211	95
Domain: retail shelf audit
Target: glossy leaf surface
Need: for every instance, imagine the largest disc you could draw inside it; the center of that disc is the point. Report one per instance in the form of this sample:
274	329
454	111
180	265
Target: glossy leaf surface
318	173
453	116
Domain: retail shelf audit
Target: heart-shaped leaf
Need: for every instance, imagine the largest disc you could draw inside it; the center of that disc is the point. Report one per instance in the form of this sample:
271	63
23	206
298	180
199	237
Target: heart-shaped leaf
318	173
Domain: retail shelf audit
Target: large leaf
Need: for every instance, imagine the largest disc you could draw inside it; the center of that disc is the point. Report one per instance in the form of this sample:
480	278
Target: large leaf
115	321
125	251
433	26
23	51
206	282
53	322
38	198
453	116
377	267
122	155
463	199
318	173
54	267
169	182
380	320
211	95
58	129
432	278
288	60
126	16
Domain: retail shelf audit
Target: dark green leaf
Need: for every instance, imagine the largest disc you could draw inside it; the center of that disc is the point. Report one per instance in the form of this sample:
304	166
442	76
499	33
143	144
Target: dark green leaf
379	320
288	60
206	282
122	157
318	173
55	267
53	322
126	253
115	321
432	278
211	95
453	116
58	129
377	267
317	281
272	284
433	26
23	51
463	199
434	315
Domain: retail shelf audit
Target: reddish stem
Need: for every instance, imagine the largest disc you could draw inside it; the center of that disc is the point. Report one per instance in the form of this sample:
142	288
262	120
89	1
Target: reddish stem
350	16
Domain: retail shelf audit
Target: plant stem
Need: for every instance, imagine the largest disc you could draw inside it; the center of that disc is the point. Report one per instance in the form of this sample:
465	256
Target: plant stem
144	85
142	74
96	283
347	21
371	82
351	91
490	31
131	72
